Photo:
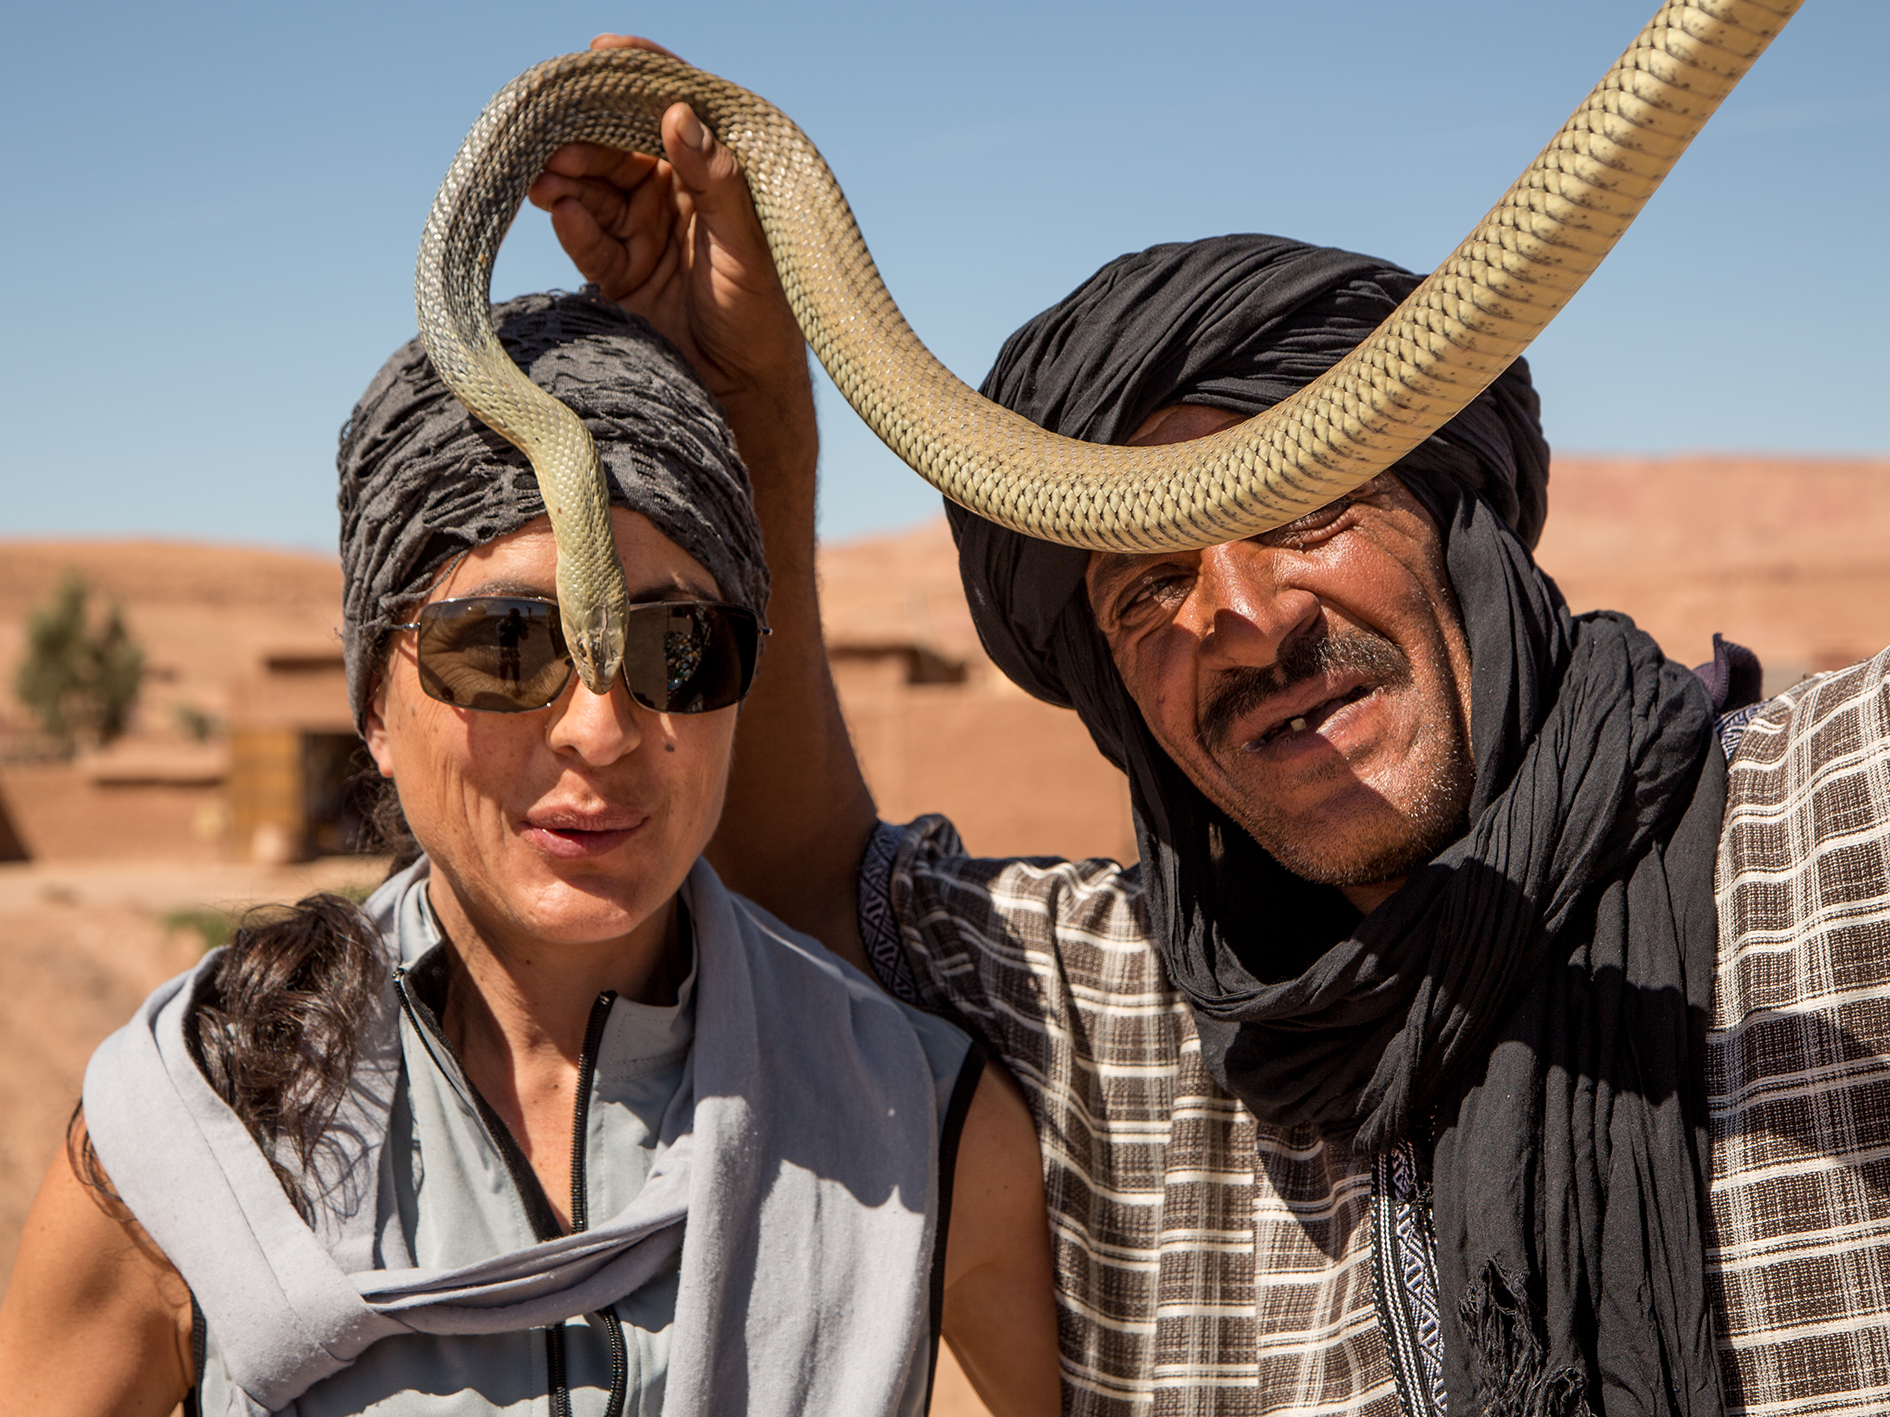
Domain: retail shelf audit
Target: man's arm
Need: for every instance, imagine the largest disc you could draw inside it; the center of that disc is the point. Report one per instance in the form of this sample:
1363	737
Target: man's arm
678	243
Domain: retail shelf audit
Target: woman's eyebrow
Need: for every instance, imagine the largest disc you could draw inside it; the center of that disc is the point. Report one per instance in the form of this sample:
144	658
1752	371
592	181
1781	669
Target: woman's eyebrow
532	590
672	590
529	590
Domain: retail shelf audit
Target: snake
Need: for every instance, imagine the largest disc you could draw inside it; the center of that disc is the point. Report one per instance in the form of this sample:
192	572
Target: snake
1443	345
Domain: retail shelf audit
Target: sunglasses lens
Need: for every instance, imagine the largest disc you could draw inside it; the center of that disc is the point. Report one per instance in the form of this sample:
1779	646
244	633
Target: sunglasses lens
503	655
496	654
685	657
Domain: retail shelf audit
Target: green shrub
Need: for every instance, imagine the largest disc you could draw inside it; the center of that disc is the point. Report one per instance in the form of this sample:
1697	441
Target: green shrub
201	727
79	682
213	927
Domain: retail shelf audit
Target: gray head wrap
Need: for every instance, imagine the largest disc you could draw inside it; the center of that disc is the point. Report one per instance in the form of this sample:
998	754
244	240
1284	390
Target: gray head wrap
422	480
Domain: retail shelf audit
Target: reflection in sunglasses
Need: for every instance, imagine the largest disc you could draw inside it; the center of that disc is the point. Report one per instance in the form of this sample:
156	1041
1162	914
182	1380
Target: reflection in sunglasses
682	651
506	654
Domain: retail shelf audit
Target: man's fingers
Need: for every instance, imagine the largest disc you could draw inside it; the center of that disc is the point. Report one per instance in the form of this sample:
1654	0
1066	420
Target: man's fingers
610	210
677	241
617	165
644	212
704	165
550	188
631	41
621	240
710	174
606	201
598	256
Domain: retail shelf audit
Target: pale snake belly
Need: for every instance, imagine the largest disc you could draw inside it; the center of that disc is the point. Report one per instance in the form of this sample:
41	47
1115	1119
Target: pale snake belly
1440	348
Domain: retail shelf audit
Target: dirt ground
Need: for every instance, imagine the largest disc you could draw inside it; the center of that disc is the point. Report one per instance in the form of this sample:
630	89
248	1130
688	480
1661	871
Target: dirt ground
81	944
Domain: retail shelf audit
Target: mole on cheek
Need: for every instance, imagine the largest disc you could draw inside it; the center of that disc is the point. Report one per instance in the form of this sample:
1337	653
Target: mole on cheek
669	747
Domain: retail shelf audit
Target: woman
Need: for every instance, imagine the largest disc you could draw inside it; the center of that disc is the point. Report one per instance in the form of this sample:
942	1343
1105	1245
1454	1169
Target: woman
555	1123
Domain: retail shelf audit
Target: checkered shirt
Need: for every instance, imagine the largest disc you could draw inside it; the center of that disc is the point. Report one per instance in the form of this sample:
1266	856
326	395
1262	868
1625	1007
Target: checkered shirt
1798	1069
1207	1264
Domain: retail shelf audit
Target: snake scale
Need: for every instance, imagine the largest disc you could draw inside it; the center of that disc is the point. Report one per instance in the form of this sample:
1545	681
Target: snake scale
1430	358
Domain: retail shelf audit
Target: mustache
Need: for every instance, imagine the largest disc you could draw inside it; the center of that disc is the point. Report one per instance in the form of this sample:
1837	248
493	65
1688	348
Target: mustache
1302	658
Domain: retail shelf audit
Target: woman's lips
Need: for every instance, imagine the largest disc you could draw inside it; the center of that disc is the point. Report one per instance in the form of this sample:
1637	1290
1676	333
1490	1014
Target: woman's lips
579	839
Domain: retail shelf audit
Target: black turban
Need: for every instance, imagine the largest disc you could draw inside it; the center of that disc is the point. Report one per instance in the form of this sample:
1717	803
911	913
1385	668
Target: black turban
422	480
1527	1011
1240	323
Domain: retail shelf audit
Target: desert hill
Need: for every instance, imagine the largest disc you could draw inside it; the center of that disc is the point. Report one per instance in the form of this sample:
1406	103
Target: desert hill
202	612
1790	557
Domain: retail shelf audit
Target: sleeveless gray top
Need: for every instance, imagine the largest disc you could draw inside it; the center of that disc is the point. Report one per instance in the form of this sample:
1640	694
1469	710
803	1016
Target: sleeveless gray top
453	1196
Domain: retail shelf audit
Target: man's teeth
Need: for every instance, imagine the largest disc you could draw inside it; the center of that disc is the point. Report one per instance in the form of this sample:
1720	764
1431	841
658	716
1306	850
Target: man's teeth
1322	711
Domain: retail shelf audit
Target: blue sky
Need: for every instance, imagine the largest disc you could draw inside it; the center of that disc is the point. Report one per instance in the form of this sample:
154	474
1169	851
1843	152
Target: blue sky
213	209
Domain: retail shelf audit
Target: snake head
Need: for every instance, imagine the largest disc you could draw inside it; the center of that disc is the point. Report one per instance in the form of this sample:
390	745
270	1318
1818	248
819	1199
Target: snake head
596	658
594	634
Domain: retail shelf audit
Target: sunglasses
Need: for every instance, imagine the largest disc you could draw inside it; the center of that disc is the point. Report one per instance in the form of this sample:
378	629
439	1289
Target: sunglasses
506	654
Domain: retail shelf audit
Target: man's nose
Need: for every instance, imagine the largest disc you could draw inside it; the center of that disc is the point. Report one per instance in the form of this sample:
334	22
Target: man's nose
599	728
1242	609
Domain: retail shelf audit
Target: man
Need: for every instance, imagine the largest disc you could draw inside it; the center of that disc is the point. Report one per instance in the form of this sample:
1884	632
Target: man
1420	1066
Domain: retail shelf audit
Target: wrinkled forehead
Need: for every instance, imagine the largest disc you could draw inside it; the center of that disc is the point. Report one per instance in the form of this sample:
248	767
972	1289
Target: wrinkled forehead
1181	423
524	562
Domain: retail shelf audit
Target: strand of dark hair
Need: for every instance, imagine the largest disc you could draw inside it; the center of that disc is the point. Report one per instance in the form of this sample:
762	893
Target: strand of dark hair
277	1027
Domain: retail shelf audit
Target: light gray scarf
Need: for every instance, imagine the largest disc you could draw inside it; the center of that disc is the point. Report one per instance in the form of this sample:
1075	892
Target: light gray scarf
807	1112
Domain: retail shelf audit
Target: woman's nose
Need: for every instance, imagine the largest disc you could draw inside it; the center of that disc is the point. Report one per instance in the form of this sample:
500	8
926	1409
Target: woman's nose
599	728
1243	608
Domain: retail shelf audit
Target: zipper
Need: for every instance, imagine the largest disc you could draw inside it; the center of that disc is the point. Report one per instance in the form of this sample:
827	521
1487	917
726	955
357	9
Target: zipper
581	1115
538	1212
581	1201
558	1389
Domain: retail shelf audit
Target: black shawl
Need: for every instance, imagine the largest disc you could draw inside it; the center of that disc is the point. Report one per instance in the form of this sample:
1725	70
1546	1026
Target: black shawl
1530	1008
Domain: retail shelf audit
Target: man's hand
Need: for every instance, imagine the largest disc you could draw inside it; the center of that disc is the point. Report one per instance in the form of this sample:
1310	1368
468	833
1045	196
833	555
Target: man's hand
678	243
